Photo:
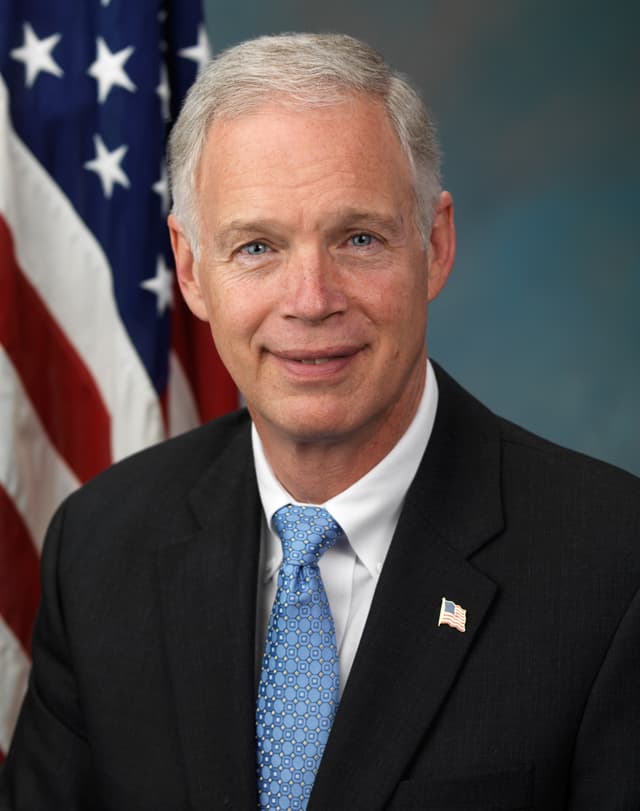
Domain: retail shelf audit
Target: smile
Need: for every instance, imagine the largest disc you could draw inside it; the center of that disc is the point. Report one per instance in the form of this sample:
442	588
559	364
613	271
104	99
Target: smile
322	364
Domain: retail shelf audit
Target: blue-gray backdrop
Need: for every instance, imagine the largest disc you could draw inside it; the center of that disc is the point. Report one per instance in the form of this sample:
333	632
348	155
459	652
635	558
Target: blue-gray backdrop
539	115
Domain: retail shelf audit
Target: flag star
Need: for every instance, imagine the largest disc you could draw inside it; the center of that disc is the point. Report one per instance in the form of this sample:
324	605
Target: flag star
161	187
36	55
199	53
108	69
164	92
161	285
107	166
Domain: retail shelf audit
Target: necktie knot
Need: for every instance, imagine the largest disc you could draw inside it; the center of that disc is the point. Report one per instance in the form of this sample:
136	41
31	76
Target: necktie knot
305	532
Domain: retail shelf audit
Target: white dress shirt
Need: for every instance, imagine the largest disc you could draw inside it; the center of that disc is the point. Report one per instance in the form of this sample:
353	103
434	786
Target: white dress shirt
368	512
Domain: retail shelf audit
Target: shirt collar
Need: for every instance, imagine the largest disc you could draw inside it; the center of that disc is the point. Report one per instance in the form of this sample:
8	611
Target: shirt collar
369	509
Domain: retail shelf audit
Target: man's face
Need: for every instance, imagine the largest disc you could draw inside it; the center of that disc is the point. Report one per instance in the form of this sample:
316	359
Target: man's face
312	272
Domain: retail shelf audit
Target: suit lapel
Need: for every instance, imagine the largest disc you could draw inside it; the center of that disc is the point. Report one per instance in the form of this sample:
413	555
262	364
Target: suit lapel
208	593
406	665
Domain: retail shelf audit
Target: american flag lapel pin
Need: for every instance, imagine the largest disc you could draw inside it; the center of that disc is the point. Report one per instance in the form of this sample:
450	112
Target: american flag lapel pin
452	614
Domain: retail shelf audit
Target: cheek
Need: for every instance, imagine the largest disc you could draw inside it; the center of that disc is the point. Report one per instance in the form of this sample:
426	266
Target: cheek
408	323
403	307
235	317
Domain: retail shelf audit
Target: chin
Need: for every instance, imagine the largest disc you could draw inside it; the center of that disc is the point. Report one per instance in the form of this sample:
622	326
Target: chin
311	424
308	431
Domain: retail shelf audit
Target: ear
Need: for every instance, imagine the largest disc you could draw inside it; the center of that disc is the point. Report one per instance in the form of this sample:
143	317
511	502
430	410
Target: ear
442	245
186	269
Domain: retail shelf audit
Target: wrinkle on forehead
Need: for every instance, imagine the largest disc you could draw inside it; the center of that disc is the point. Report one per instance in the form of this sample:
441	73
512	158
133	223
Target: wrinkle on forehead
248	129
334	162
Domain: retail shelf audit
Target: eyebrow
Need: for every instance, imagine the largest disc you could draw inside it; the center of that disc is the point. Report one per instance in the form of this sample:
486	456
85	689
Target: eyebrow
353	217
343	218
233	228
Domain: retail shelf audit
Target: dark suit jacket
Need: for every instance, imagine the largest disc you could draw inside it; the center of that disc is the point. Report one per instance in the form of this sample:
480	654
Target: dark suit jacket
142	693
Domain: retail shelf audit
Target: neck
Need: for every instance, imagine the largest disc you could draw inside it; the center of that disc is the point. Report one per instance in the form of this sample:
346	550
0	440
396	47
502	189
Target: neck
297	469
315	471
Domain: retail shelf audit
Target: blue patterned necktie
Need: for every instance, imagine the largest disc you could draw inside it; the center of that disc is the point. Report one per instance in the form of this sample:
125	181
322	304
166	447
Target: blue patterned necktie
299	684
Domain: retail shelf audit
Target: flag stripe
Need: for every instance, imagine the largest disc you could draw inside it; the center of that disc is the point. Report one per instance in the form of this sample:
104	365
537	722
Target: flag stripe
66	397
19	570
182	408
14	673
81	298
31	471
192	343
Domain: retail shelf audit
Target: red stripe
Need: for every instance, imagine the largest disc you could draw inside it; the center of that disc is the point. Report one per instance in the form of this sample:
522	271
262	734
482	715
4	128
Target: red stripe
164	410
57	381
214	390
19	572
452	623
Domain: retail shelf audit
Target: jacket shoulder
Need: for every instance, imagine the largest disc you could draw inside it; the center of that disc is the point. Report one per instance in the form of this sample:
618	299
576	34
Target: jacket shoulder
148	492
520	444
560	463
548	477
187	454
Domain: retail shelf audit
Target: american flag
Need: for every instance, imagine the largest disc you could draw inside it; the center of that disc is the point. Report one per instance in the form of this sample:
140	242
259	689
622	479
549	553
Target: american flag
98	356
452	614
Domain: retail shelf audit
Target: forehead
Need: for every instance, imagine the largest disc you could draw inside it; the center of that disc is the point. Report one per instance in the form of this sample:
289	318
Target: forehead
311	153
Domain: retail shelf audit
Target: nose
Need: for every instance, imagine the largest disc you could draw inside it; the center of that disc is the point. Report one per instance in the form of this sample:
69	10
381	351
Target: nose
312	287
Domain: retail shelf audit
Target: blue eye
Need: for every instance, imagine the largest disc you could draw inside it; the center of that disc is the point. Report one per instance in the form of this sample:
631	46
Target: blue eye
255	248
361	240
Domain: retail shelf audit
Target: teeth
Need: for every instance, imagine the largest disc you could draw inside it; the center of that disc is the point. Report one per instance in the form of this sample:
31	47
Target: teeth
315	361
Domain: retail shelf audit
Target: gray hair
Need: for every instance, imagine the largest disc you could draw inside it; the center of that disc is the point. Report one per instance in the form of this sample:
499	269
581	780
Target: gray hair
300	70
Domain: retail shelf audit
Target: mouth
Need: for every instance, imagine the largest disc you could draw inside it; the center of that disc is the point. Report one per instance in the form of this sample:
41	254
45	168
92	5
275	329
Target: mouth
318	361
328	361
317	357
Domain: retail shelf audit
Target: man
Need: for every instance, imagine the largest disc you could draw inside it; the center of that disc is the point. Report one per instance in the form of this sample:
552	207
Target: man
447	605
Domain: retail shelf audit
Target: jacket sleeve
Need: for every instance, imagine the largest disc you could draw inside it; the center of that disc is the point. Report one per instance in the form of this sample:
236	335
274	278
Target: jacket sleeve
48	764
606	767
